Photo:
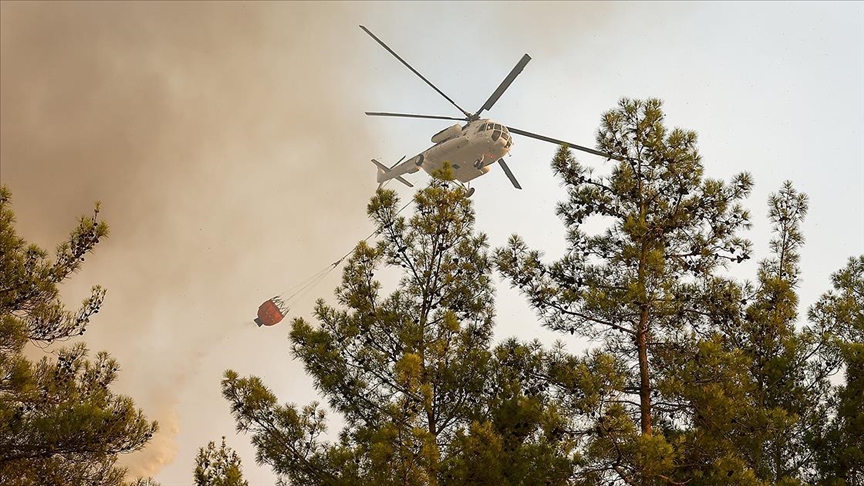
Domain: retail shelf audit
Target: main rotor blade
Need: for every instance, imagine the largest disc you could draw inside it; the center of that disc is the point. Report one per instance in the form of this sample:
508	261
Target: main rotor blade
561	142
509	173
414	70
409	115
505	84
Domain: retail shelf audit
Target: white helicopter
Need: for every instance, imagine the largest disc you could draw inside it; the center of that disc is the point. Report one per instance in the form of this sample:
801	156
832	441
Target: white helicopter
470	148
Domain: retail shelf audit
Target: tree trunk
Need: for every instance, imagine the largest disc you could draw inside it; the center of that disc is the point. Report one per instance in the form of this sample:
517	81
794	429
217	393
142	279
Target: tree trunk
644	383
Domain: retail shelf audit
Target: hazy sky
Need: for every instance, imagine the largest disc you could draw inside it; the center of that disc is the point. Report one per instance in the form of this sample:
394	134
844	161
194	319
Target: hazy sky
228	145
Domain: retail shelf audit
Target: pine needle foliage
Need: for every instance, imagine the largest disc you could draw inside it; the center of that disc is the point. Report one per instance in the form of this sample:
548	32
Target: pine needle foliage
218	467
60	423
425	397
646	287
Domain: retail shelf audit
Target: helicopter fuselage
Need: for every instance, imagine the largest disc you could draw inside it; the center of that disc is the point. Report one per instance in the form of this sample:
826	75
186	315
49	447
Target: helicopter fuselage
470	152
470	149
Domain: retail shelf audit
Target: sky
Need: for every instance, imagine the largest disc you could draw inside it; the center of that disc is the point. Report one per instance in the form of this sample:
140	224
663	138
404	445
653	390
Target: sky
228	146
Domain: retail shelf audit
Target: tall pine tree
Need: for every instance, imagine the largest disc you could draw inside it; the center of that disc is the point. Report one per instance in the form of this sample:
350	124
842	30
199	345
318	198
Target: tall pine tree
425	397
644	285
788	374
839	313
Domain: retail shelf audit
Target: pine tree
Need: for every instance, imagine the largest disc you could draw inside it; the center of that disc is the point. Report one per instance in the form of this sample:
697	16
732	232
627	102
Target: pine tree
218	467
757	384
141	481
788	374
839	443
647	287
59	421
425	397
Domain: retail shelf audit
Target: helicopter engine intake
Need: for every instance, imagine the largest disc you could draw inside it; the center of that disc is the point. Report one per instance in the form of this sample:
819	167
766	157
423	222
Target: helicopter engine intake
447	133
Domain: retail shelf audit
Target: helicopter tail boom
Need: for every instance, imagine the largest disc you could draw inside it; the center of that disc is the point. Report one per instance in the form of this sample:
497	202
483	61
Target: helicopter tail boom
385	174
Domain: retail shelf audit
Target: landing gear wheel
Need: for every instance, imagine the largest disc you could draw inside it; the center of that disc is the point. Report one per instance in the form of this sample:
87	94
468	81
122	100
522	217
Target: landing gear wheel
470	192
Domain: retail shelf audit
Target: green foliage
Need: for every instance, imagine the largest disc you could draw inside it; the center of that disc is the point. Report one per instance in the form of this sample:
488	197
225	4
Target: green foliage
28	283
424	396
839	445
645	286
59	421
787	375
148	481
727	387
218	467
697	379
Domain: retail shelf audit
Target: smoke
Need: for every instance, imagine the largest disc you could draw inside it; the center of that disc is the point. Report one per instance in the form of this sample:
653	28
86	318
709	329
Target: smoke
227	145
161	450
550	29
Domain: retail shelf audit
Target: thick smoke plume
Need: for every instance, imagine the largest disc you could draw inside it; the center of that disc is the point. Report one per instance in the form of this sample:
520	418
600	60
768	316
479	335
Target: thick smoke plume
226	143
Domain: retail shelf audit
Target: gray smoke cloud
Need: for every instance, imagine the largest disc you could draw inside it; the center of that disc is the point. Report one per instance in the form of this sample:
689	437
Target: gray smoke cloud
227	145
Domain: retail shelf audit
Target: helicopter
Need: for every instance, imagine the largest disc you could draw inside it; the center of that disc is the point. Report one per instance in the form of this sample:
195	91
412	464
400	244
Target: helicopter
470	148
